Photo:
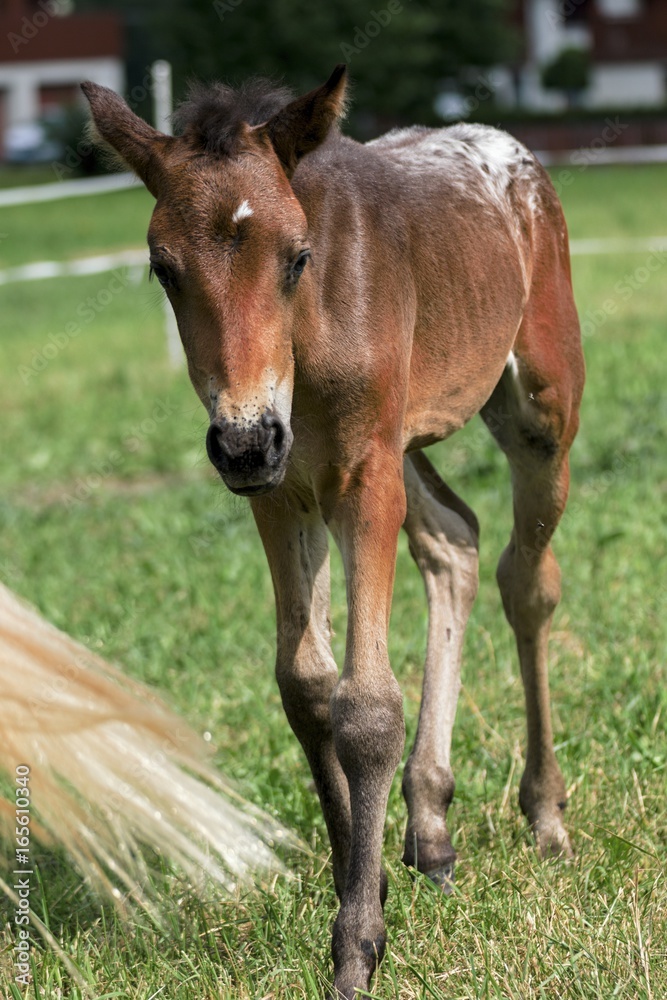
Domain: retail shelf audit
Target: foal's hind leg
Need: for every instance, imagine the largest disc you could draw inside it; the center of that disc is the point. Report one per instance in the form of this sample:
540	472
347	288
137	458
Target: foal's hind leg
534	417
442	534
529	580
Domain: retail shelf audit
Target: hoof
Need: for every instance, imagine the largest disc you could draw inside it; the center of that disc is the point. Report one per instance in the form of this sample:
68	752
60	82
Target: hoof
355	955
551	837
435	860
444	877
553	843
343	993
357	972
543	803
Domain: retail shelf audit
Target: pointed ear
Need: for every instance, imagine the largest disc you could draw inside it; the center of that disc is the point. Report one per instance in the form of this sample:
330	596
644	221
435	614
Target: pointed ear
301	126
138	144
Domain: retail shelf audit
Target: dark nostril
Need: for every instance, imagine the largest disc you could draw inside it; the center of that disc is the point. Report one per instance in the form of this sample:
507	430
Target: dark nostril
278	436
275	432
214	446
243	451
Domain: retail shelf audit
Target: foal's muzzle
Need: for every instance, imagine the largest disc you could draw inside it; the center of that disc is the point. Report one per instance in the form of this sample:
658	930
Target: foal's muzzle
251	458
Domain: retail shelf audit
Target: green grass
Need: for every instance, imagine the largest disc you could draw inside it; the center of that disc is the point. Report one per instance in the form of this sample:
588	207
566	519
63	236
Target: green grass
70	228
612	201
120	534
25	175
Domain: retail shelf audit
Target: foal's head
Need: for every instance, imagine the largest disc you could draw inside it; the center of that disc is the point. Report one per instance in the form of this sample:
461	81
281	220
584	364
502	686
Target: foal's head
229	244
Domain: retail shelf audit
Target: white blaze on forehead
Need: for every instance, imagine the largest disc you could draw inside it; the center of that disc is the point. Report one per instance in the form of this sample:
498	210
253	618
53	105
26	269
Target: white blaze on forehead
244	211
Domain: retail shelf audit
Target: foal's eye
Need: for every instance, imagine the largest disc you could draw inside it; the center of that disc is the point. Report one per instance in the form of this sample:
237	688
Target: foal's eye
298	266
162	275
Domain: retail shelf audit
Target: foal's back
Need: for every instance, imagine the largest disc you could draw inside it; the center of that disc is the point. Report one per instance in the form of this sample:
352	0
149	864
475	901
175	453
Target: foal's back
430	236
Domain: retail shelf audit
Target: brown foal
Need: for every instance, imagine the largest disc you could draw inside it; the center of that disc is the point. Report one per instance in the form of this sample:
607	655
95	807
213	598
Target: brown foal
341	307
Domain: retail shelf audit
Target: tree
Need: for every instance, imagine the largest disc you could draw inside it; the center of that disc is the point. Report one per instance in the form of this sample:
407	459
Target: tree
398	51
569	72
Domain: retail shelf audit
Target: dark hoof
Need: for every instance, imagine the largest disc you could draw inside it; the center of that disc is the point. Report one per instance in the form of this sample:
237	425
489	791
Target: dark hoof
357	973
355	957
444	877
347	994
551	836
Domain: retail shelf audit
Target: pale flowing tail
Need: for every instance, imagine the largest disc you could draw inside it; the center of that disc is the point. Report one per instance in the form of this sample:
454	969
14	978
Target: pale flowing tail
110	769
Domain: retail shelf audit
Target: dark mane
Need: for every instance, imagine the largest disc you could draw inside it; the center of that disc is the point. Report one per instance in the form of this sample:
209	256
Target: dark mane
210	119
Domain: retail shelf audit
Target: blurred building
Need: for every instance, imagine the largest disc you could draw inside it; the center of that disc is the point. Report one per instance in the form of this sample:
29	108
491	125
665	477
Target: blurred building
46	50
626	41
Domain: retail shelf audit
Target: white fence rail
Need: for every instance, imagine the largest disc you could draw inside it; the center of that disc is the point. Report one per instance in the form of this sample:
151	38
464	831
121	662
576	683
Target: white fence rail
66	189
39	270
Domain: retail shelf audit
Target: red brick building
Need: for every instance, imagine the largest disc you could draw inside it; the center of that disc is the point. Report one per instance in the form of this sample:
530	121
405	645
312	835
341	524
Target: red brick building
46	50
626	39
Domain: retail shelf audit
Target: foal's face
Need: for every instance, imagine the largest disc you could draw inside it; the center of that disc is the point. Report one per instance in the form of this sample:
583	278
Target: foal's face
229	243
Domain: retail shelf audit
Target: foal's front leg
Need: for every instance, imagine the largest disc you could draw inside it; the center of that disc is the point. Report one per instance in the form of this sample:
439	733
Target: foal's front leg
297	549
366	706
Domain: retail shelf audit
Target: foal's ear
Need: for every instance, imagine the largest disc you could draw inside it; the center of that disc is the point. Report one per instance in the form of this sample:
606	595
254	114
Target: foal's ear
304	123
136	142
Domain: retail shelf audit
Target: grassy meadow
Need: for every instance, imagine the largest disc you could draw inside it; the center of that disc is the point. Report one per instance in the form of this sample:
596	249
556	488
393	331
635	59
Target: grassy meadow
115	527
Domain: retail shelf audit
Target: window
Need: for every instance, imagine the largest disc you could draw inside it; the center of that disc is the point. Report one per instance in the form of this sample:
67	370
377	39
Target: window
619	8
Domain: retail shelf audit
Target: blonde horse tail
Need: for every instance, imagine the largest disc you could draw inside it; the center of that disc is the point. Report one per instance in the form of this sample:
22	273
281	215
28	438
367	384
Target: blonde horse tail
108	770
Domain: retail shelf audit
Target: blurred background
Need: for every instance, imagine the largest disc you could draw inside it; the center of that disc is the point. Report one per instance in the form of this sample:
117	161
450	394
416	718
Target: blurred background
114	524
550	70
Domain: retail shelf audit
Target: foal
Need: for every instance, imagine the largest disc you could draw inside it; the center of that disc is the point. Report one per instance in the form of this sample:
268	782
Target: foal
341	307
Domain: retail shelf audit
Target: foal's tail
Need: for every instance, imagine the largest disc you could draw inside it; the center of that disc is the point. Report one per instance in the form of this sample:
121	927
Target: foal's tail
101	767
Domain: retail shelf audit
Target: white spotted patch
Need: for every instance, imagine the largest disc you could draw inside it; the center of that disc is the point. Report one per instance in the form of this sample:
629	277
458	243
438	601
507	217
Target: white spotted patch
244	211
472	155
483	163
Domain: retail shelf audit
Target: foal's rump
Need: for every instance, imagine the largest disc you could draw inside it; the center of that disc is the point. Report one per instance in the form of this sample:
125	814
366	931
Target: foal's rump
483	213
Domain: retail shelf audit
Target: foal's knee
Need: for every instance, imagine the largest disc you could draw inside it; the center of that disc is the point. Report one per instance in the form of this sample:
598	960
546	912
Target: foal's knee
369	728
306	681
428	786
